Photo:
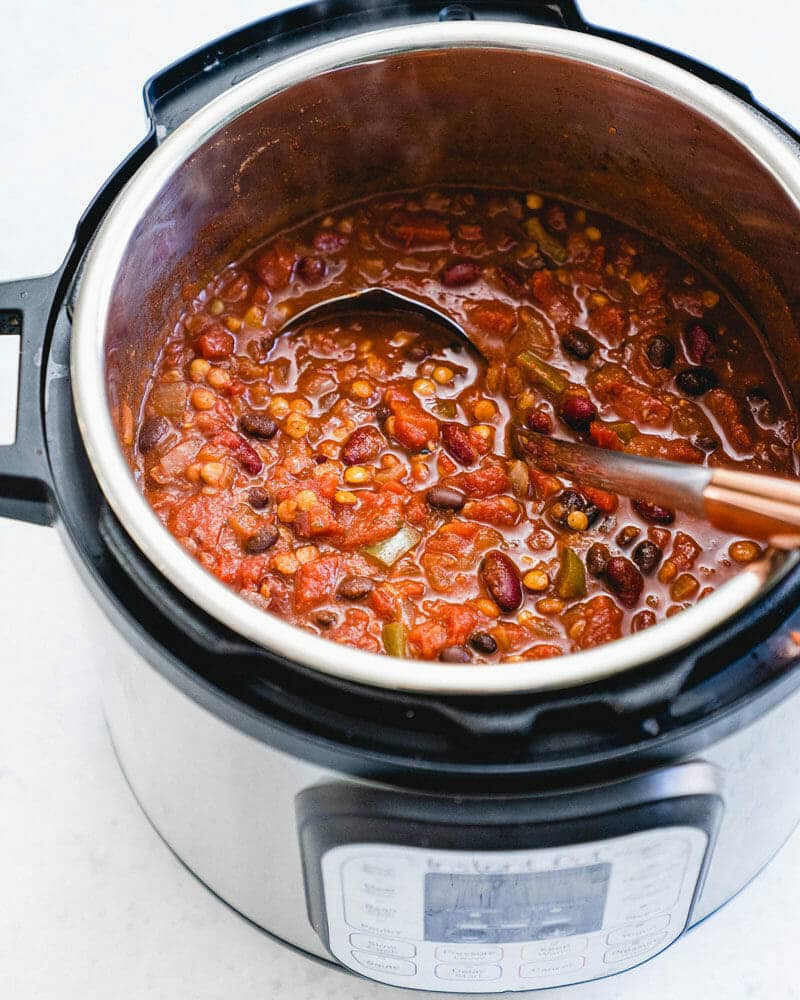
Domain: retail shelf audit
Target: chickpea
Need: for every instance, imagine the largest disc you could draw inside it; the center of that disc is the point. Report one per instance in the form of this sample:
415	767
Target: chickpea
300	406
296	426
203	399
709	298
424	387
218	378
487	607
536	580
198	369
361	389
534	202
484	410
346	498
212	473
577	520
593	234
286	563
217	307
442	374
287	511
357	475
233	323
550	606
306	553
306	500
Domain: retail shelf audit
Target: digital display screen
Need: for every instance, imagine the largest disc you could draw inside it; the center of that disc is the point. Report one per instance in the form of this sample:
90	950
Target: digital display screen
528	906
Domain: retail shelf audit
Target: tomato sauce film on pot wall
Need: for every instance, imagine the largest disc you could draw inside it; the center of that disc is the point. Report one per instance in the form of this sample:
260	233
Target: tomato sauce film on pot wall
354	476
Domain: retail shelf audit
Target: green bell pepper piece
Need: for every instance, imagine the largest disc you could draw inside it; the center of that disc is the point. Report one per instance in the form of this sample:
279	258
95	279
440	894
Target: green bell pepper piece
571	576
549	244
394	638
391	549
541	373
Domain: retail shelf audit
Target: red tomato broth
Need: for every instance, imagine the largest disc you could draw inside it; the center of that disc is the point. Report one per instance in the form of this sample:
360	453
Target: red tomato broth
281	462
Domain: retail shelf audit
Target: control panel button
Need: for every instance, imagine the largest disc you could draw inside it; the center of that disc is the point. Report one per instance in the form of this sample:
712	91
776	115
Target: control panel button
648	906
559	948
468	973
668	849
458	953
384	964
626	952
637	929
556	967
383	946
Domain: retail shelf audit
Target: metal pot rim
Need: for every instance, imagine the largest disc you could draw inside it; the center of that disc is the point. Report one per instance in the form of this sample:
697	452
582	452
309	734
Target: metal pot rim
770	146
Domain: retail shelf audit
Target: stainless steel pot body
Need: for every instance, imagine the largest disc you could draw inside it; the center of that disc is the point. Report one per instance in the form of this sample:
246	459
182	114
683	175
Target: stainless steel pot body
459	102
226	802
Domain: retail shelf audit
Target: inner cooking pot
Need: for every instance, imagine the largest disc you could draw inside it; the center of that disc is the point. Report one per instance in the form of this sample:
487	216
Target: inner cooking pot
478	103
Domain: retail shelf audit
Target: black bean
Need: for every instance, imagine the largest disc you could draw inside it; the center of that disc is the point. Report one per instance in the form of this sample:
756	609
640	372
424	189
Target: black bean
262	540
151	432
354	588
647	555
696	381
660	352
258	498
445	498
325	618
418	350
455	654
258	425
579	344
597	558
482	642
311	269
652	512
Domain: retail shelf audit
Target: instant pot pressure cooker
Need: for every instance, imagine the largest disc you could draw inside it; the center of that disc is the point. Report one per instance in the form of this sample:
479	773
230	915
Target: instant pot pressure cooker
464	829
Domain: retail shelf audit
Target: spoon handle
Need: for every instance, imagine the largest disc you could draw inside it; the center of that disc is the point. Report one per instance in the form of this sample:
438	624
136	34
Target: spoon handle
745	503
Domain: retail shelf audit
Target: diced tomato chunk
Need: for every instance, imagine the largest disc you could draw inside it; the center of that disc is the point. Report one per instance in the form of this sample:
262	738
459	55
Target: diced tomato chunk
276	267
355	630
607	502
602	620
417	230
377	516
448	625
487	481
504	512
316	581
200	518
604	437
671	449
453	551
496	318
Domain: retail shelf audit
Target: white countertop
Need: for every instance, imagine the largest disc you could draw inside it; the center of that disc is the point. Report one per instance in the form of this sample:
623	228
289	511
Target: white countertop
92	904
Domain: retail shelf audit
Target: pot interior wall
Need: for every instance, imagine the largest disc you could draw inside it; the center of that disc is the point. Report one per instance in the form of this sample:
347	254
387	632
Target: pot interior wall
472	116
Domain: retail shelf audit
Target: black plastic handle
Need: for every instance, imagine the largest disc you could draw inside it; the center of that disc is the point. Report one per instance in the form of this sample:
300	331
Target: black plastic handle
176	92
25	481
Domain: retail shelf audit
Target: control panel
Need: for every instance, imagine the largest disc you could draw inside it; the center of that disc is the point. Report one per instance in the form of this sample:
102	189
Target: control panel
490	921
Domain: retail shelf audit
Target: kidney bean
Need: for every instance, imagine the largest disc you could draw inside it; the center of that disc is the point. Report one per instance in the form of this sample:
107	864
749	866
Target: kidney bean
652	512
647	556
699	345
597	558
445	498
500	577
363	445
258	425
579	344
262	540
482	642
576	410
460	274
258	498
660	352
151	432
353	588
512	282
696	381
457	442
455	654
539	421
248	457
624	579
311	269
